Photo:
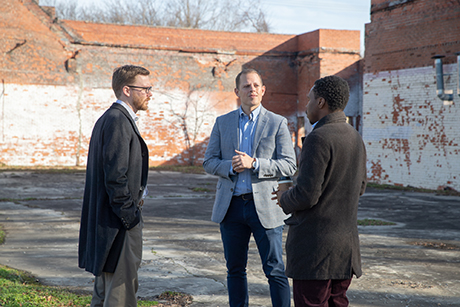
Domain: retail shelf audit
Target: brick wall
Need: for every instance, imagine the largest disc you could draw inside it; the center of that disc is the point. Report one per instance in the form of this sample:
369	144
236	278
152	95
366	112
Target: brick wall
57	81
412	137
407	33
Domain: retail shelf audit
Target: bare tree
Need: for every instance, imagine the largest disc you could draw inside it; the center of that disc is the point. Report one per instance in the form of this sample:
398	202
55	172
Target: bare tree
190	111
229	16
92	14
149	13
117	11
221	15
258	21
188	13
68	9
190	121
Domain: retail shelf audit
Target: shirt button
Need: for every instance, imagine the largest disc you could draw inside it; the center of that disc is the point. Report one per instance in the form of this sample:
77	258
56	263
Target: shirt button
231	190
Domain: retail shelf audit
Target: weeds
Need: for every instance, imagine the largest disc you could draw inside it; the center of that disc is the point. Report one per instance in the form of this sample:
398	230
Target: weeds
19	288
2	235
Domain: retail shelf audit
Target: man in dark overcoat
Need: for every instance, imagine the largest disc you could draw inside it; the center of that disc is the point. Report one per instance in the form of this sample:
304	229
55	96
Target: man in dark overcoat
322	246
110	242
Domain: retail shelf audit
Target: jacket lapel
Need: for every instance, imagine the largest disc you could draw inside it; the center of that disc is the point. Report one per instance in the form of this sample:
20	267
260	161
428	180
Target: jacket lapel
126	113
235	133
261	124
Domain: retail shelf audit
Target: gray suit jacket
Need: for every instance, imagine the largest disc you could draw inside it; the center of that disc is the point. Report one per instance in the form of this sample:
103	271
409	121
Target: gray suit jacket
272	147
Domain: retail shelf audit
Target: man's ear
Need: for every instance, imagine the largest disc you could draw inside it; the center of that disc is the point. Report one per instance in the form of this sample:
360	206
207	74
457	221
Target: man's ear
126	91
263	90
321	102
237	92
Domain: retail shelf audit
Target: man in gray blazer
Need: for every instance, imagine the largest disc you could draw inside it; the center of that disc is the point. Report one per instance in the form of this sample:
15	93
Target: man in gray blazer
249	149
322	247
110	242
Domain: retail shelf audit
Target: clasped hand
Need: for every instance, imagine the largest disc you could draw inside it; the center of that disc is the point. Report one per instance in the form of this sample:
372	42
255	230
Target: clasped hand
277	196
241	161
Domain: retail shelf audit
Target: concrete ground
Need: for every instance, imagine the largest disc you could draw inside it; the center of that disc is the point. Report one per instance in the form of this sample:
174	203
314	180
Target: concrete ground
414	263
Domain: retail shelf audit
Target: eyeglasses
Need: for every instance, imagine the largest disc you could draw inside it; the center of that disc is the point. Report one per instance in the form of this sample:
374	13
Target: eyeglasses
143	89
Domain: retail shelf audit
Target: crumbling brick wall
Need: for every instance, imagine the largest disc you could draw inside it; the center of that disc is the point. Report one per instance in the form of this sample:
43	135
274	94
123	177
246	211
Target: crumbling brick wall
412	136
57	81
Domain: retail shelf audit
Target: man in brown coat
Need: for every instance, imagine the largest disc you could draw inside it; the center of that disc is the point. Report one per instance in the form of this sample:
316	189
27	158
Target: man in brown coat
322	246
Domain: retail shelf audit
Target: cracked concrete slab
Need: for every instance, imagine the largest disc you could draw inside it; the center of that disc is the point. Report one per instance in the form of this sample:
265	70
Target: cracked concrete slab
413	263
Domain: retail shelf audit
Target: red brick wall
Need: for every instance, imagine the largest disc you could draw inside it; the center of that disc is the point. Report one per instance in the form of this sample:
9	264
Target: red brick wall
57	81
408	34
324	52
28	47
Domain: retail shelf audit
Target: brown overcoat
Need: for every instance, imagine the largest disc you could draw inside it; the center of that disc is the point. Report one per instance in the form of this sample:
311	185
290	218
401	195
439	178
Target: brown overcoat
323	240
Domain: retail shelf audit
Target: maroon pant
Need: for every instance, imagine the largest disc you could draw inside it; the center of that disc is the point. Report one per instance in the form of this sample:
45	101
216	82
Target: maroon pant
321	293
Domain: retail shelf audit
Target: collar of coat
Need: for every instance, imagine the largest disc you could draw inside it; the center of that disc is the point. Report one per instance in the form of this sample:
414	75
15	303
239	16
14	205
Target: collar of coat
336	117
126	113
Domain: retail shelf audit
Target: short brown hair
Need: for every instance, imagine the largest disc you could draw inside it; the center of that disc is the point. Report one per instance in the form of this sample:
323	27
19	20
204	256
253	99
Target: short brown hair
125	75
247	71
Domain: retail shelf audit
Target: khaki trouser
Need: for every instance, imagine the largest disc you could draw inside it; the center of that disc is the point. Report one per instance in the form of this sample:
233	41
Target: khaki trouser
119	289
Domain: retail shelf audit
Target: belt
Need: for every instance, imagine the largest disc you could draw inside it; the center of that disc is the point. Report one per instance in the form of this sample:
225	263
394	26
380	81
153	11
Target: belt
247	196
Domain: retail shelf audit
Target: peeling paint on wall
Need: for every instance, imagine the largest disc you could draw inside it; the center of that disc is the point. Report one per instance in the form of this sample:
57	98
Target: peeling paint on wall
411	136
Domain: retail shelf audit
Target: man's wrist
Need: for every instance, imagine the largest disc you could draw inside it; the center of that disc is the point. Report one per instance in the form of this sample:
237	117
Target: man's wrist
254	163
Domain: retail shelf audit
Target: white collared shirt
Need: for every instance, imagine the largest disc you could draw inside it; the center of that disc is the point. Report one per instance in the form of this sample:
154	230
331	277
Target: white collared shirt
130	111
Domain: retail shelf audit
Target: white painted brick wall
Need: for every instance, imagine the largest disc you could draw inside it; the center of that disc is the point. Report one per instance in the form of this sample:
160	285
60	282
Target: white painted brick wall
39	125
52	125
412	138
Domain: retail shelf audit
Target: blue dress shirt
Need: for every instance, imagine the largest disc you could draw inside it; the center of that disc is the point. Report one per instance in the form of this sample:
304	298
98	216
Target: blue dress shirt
247	128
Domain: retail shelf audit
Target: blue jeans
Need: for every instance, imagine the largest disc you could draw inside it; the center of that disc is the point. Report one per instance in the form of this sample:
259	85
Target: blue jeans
236	228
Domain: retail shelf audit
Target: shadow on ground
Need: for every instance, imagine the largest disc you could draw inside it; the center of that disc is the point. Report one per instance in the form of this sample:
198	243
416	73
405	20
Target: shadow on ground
413	263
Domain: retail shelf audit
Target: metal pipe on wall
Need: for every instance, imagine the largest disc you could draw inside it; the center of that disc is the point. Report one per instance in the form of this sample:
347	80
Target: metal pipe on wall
440	79
458	73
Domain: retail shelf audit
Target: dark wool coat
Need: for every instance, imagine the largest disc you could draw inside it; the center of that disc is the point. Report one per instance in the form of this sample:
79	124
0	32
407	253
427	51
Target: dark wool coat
323	241
116	176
